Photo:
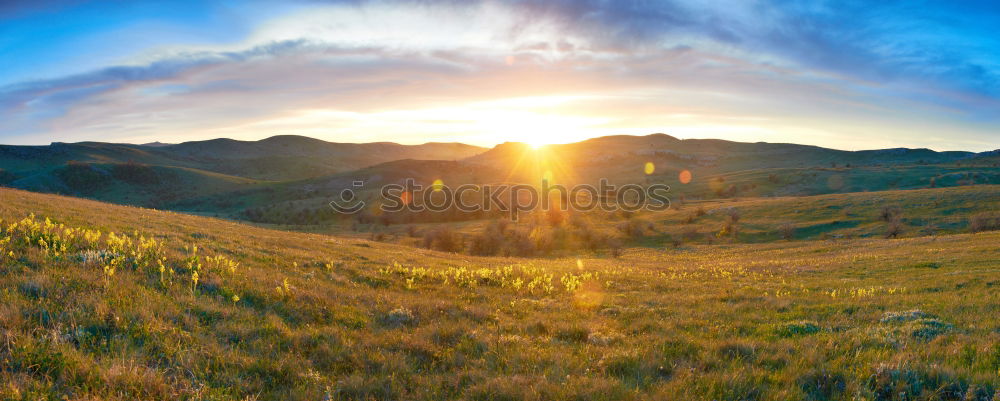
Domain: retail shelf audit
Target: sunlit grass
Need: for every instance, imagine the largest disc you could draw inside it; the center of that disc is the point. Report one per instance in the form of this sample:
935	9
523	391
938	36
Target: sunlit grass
284	316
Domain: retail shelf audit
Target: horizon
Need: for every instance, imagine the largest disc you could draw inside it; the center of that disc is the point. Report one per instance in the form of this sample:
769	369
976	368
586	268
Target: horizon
491	146
839	76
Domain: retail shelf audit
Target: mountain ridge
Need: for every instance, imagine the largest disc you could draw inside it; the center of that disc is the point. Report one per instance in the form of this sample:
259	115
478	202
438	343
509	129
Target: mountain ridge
225	175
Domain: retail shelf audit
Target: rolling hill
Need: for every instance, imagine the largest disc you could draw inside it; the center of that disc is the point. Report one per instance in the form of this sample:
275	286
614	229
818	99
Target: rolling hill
622	158
290	157
273	315
174	174
719	170
294	177
285	157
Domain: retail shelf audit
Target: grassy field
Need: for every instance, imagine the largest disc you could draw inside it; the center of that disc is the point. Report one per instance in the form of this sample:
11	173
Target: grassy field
243	313
922	212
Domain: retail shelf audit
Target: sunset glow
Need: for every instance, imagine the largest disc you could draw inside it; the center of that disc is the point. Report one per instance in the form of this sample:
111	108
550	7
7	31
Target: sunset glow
484	73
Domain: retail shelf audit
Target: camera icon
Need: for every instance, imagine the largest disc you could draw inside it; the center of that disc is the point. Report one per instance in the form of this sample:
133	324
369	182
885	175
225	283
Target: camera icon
349	202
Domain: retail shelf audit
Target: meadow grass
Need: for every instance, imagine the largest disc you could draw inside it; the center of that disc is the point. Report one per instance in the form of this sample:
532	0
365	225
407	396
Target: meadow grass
916	213
276	315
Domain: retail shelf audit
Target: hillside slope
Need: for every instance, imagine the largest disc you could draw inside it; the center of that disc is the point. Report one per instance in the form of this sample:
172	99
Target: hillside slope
295	177
917	213
284	157
289	316
621	157
311	197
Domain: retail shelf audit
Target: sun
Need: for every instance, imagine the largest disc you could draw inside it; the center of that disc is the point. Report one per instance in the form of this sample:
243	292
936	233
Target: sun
522	123
535	145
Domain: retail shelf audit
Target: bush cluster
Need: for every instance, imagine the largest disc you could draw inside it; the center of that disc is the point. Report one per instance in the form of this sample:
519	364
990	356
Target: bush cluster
503	238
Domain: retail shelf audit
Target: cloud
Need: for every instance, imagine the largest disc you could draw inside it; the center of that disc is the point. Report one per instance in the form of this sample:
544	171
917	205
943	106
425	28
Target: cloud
413	71
23	103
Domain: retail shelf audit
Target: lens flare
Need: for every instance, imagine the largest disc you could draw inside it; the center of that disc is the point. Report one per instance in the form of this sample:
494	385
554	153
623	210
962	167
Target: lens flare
437	185
547	177
590	296
650	168
684	177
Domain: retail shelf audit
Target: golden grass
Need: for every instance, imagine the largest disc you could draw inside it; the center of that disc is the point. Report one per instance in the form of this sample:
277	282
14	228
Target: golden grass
285	316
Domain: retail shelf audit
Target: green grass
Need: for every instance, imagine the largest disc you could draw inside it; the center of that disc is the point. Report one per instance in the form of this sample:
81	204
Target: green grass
168	187
924	212
864	318
827	180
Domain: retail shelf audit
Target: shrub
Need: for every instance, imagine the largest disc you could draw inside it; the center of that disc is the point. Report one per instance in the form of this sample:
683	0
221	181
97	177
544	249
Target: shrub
889	381
894	228
888	213
615	247
443	239
398	317
82	177
491	240
896	317
690	234
731	227
984	222
559	238
578	220
929	229
485	244
135	173
633	227
676	241
709	238
822	385
689	219
796	329
787	231
412	231
928	329
378	236
542	240
733	215
555	217
572	334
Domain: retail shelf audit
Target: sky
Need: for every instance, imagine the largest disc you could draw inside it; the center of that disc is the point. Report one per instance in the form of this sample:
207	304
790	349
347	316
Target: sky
843	74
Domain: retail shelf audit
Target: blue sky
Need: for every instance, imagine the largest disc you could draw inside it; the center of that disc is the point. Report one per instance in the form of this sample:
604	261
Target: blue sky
843	74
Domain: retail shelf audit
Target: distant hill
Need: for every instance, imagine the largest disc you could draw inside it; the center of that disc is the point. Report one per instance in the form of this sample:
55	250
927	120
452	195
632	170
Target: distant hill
289	157
285	157
178	172
720	169
295	174
623	157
